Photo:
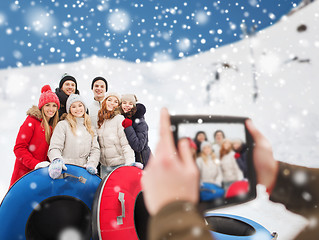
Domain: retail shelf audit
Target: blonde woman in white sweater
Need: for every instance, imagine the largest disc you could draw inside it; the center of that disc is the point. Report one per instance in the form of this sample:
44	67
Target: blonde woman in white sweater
115	149
209	165
74	141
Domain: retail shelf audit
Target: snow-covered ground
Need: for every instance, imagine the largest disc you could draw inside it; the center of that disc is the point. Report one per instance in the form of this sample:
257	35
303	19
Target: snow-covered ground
286	109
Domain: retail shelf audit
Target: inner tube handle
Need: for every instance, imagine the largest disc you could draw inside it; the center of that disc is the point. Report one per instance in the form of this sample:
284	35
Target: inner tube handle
208	190
122	201
65	175
274	236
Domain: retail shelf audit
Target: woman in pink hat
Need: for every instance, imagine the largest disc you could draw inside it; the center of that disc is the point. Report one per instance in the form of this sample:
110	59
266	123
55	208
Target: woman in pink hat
34	136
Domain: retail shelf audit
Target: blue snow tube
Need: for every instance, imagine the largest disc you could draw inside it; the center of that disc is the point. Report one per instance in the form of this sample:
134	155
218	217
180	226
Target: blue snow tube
38	207
231	227
210	191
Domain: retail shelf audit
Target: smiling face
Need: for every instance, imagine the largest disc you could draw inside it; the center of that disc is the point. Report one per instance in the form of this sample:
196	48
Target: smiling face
111	103
237	145
219	138
99	90
201	137
207	150
68	87
50	109
127	106
77	109
227	145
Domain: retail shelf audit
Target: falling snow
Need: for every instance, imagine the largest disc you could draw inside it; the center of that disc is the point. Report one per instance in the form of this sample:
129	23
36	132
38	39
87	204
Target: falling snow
124	29
209	76
70	233
119	21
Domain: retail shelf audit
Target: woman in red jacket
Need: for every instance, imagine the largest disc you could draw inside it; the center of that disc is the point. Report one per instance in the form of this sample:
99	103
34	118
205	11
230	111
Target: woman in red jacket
34	136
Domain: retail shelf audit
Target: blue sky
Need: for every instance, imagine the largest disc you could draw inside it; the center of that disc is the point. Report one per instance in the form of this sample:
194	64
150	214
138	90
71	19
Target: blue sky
53	31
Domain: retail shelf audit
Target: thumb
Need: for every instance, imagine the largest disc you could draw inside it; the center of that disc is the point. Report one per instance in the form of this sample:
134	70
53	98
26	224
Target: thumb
64	167
257	136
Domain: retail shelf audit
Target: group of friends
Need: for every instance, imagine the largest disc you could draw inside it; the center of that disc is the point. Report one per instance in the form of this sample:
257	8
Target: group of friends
222	162
112	132
63	129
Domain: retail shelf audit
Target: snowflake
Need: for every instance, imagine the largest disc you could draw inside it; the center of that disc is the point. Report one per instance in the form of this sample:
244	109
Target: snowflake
39	21
272	16
70	233
33	185
119	21
184	44
201	18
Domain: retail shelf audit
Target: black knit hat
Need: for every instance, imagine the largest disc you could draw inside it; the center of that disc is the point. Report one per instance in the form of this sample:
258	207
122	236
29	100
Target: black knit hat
99	78
67	77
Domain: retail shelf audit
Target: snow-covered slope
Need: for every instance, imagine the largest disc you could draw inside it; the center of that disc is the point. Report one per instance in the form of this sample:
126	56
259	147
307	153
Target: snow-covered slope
286	63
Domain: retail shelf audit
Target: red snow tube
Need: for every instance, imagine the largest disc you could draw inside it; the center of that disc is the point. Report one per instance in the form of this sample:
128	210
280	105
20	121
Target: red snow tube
118	206
237	188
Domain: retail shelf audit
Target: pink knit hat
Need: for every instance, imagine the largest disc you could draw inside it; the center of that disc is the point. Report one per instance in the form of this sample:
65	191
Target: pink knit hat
48	96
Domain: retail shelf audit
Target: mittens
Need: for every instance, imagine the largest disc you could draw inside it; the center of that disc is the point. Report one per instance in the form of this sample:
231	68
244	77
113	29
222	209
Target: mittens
92	170
56	167
137	164
127	122
237	155
42	164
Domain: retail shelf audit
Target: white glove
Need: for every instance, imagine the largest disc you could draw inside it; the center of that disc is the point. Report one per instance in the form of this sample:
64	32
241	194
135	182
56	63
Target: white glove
91	169
56	167
137	164
42	164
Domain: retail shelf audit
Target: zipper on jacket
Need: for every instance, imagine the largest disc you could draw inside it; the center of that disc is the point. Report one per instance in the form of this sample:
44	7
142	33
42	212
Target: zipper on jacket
141	158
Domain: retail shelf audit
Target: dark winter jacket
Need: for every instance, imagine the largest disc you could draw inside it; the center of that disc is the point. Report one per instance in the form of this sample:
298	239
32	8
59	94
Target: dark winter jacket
63	97
31	146
137	135
299	197
178	221
241	158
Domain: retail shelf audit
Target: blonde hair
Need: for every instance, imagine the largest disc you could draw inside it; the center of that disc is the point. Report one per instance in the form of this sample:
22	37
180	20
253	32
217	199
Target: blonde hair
205	157
87	123
47	124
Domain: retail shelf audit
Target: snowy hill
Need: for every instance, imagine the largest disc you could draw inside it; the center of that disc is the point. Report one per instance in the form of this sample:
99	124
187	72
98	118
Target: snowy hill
286	63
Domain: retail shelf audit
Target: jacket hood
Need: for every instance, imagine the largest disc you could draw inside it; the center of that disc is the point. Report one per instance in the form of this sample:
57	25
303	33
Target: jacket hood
35	112
140	111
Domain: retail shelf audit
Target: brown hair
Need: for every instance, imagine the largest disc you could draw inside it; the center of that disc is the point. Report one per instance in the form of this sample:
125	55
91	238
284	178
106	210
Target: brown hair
104	114
47	124
130	113
223	149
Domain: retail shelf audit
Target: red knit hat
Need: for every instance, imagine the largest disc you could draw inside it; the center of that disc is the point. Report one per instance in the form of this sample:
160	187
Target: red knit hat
48	96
